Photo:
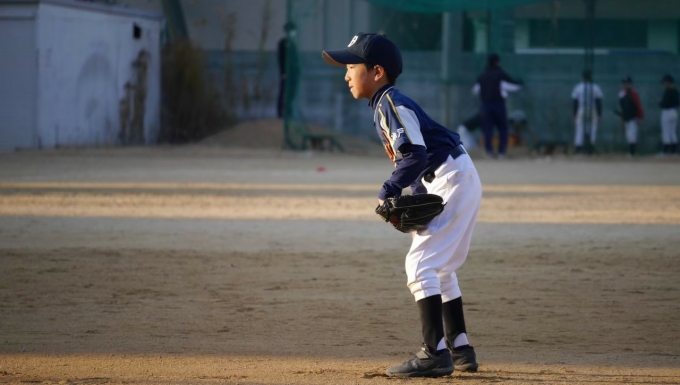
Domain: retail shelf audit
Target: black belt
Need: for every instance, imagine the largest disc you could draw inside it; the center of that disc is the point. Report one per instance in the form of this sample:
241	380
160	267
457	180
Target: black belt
458	151
455	153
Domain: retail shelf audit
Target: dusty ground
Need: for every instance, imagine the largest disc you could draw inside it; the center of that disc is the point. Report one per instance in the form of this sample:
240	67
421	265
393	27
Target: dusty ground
201	266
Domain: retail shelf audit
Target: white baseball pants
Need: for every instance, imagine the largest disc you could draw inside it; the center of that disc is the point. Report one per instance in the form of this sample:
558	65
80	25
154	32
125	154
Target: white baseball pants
438	251
669	126
580	127
631	131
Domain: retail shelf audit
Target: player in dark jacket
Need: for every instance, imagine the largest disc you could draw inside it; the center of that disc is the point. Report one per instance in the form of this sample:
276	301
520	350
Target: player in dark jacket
288	71
631	112
492	87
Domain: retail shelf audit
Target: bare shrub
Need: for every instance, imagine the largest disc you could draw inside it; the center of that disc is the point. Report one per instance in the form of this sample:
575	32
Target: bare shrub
192	107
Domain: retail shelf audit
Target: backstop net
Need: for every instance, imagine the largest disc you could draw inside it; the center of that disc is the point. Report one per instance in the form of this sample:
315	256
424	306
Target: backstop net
445	44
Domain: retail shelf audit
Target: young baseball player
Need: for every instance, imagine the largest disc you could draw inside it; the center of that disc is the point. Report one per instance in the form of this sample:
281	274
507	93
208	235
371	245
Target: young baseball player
587	103
430	159
669	115
631	112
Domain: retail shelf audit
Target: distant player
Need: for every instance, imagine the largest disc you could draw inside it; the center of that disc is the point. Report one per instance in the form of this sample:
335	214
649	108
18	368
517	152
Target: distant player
431	159
289	67
587	106
631	112
493	86
669	116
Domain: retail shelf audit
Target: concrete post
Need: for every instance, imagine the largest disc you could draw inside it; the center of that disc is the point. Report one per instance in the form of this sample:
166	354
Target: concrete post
452	46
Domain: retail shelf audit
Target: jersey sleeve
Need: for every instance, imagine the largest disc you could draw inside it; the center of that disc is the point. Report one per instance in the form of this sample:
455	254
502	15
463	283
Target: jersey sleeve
597	92
506	78
664	99
510	87
638	105
400	124
281	56
406	174
574	93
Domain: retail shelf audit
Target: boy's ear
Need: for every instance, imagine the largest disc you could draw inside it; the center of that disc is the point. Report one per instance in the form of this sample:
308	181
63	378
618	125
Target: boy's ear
379	72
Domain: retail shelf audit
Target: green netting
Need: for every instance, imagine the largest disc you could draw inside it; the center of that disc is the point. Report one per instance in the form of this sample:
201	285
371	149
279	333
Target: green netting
441	6
541	42
295	130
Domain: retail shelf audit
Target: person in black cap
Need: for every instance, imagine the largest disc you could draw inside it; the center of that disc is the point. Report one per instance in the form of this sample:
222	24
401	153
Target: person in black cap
430	159
288	71
631	112
493	86
669	116
587	106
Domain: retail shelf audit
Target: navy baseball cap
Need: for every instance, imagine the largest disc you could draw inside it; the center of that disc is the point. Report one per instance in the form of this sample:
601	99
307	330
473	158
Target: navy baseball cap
626	79
368	48
668	78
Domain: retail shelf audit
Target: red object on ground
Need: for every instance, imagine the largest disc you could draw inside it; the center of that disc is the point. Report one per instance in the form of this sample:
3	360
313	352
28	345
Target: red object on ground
320	169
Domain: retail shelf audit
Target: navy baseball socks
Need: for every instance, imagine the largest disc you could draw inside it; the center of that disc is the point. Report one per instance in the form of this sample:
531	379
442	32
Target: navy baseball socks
669	149
463	355
434	359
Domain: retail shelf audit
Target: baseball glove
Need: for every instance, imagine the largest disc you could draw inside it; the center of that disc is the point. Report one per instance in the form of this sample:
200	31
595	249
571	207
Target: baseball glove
410	212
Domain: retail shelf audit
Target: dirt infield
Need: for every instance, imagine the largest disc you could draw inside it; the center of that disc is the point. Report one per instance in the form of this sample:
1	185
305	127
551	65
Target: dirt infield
205	265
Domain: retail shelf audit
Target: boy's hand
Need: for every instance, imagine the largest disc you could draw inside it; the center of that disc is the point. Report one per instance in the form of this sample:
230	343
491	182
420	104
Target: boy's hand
380	202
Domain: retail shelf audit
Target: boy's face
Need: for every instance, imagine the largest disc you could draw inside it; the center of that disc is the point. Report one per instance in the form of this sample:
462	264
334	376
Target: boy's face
362	83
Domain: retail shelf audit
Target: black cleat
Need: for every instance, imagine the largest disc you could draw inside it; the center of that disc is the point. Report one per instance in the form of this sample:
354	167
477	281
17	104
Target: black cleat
465	359
425	364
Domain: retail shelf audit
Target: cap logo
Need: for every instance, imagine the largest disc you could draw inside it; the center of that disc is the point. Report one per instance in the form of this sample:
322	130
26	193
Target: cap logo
354	40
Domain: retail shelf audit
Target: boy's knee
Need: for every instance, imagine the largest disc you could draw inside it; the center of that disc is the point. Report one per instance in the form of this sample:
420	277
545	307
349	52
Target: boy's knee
450	292
425	287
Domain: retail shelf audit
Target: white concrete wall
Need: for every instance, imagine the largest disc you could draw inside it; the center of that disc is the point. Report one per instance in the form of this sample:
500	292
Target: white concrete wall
84	60
18	76
256	23
328	23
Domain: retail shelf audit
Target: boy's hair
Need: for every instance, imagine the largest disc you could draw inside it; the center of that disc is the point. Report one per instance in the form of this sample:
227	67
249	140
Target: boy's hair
587	76
493	60
390	79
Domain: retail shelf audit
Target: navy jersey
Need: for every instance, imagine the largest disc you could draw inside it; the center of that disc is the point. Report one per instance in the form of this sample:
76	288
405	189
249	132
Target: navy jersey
415	143
671	98
493	84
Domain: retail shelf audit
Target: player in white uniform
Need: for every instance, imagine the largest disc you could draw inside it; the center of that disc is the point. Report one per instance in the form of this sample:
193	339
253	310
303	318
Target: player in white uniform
587	105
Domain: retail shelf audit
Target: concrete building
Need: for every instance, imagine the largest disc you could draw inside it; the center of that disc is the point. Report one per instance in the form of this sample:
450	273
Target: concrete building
76	73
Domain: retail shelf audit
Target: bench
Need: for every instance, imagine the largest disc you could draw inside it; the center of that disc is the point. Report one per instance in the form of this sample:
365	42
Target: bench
321	142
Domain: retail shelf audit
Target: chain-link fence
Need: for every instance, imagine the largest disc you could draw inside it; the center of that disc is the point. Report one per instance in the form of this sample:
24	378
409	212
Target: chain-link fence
547	44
